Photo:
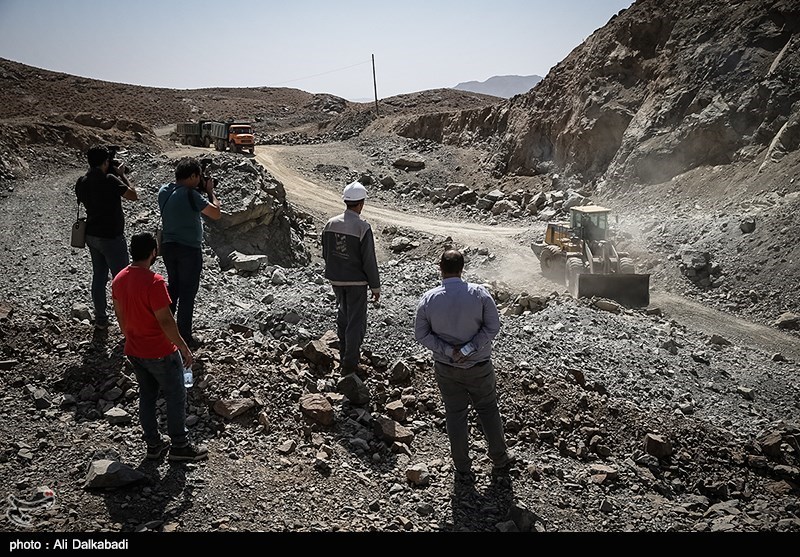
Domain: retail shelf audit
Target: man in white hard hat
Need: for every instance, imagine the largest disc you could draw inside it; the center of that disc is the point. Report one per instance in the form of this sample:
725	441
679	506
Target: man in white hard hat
348	248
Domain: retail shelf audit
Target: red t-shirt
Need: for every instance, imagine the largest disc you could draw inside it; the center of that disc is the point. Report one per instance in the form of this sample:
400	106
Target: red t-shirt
140	292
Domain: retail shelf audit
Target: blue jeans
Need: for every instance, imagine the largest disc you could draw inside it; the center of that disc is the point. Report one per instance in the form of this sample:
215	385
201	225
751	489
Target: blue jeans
108	254
459	387
166	373
184	265
351	323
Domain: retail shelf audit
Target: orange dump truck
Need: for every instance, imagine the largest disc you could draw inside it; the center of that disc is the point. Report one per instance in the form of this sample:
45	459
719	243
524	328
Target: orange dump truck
234	135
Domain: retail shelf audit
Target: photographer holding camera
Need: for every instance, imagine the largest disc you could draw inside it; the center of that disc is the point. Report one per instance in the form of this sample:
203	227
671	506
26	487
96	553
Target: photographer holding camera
101	191
181	204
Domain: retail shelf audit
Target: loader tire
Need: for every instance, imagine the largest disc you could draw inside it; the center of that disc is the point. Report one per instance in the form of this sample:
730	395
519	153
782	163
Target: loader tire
574	268
626	265
549	259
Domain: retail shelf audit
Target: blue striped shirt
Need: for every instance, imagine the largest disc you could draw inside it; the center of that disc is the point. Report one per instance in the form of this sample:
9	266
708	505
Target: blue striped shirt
453	314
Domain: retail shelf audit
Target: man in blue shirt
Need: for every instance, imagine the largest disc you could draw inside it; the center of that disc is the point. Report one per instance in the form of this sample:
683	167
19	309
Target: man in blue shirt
181	205
457	322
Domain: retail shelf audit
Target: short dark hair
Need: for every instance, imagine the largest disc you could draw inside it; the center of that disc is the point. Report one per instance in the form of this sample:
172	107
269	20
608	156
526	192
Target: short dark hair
452	262
353	204
97	155
186	167
142	245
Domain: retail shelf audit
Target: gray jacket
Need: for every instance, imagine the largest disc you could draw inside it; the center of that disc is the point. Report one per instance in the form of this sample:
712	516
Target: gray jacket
348	249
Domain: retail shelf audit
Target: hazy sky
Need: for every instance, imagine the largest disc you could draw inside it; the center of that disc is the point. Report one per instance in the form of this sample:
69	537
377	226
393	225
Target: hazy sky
320	46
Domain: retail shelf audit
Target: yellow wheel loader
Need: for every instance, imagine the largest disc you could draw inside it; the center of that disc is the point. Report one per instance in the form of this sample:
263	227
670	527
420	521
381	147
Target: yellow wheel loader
580	251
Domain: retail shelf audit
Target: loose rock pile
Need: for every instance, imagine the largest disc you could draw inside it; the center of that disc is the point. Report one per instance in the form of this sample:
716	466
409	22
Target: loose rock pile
623	420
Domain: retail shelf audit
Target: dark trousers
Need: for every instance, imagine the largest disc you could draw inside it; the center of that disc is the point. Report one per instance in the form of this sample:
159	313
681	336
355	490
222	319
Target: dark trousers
459	388
351	323
184	265
108	254
165	374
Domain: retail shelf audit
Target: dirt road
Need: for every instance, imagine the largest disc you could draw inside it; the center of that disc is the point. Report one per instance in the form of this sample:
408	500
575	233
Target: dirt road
514	263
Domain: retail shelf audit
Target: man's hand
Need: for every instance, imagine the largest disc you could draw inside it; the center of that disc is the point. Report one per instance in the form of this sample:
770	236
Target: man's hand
131	193
208	185
457	355
186	354
375	297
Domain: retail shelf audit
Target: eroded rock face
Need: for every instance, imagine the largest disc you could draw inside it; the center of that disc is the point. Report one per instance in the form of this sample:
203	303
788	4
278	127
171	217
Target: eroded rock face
256	218
661	89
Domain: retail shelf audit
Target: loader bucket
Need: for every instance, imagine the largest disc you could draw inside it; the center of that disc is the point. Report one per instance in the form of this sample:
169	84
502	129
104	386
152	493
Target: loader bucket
628	289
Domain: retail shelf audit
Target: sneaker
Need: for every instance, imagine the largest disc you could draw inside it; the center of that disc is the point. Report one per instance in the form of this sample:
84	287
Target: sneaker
154	452
188	452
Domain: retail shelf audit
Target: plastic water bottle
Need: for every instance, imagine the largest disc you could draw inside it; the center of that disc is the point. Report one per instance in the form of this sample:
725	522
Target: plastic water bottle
188	378
468	349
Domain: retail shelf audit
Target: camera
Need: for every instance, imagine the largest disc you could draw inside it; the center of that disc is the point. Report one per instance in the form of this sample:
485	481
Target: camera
205	165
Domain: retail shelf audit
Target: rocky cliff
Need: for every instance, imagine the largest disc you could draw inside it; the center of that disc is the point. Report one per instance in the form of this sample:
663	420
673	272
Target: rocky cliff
664	87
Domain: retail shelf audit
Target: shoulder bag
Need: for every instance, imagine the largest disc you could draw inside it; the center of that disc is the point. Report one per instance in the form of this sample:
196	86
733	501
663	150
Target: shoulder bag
78	239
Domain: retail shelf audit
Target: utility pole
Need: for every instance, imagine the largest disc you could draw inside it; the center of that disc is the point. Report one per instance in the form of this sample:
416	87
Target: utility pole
375	85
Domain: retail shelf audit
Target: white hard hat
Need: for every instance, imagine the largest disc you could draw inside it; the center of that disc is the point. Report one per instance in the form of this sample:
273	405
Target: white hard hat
354	192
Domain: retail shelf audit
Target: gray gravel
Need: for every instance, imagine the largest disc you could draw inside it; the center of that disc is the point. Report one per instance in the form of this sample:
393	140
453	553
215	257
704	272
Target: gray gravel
624	420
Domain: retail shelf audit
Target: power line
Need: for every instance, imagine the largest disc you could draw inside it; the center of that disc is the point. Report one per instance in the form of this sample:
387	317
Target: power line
319	74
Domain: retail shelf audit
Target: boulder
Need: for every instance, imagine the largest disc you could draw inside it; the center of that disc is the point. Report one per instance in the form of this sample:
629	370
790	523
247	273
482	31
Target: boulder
110	474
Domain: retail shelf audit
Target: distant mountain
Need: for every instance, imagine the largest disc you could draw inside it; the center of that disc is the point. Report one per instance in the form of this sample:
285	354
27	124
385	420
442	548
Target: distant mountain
505	86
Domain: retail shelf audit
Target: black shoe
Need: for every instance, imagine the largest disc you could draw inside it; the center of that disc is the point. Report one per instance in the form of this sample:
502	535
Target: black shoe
361	371
190	453
154	452
464	478
505	465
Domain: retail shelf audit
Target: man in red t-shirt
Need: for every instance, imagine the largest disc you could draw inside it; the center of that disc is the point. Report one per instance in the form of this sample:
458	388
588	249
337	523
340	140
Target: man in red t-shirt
155	349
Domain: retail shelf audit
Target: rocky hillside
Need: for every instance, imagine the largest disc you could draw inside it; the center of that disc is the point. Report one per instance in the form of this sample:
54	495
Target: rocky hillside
41	94
680	107
42	111
663	88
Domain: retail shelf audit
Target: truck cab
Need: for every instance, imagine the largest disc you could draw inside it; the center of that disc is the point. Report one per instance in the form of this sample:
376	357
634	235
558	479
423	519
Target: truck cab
240	137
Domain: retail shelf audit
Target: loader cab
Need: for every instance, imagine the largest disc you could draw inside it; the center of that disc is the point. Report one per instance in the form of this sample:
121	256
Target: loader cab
590	222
